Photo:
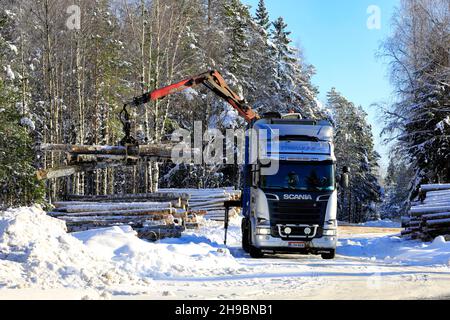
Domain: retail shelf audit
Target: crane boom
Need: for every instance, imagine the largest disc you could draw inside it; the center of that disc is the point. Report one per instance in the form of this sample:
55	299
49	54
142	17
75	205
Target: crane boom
214	81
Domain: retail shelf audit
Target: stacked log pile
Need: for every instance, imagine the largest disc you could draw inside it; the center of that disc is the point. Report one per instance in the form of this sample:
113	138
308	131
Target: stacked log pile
178	200
151	219
209	202
430	215
154	216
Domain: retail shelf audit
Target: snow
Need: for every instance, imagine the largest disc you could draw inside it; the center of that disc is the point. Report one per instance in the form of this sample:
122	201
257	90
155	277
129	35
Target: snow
441	125
396	250
190	256
10	13
381	224
229	117
36	253
9	72
27	122
13	48
190	94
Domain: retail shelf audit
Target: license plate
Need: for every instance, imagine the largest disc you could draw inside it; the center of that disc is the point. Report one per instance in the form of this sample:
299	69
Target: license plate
300	245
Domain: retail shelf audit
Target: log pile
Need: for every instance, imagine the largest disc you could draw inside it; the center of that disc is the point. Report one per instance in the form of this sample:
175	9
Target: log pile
430	215
210	202
165	214
153	216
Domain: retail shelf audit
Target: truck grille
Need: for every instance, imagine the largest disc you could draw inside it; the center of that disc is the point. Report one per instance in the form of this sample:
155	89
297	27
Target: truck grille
291	212
297	213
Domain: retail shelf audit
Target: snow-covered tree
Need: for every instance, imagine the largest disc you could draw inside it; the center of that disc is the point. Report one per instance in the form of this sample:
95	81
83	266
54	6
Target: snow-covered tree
355	149
293	78
262	16
418	121
18	183
397	183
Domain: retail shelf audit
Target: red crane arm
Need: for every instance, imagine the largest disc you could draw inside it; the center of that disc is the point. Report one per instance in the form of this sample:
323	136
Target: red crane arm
214	81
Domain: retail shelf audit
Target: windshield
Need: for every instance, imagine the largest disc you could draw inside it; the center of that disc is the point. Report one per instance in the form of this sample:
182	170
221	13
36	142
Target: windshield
311	176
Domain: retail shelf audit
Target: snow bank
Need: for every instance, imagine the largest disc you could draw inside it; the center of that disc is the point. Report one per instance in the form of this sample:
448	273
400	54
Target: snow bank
381	224
43	255
37	252
171	258
397	250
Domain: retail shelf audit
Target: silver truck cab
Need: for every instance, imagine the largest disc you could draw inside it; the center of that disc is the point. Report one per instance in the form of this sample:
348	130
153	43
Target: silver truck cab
293	208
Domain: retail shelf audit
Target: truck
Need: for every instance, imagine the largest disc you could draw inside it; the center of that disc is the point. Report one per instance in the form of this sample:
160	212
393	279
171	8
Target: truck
292	209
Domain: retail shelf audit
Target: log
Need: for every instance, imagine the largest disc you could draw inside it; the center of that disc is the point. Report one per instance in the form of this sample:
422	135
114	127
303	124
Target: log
158	197
440	223
126	213
113	207
418	212
115	156
197	212
436	216
157	150
405	221
433	204
406	232
436	232
66	171
155	233
434	187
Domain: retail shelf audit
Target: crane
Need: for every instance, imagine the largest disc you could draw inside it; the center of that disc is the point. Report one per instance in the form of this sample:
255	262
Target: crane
212	80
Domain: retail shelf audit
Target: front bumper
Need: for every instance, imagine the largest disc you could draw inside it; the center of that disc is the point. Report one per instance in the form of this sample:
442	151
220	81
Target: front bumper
315	246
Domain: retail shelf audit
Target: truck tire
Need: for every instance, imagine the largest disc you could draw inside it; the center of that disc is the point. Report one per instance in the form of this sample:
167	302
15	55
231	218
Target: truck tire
329	256
245	236
255	253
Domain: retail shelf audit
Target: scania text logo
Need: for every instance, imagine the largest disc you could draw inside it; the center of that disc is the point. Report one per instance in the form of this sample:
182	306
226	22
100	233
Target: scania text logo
297	197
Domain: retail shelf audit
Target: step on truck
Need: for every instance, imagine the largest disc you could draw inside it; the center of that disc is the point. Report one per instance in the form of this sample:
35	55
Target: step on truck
292	210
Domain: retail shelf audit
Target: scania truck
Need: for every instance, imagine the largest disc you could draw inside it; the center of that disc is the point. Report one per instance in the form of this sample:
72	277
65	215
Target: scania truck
290	192
294	209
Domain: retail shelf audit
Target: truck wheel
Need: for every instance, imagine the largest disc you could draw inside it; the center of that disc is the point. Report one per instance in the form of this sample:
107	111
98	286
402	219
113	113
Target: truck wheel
329	256
255	253
245	236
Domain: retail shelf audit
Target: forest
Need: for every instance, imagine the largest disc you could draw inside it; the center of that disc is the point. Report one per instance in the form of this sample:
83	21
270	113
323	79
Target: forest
60	84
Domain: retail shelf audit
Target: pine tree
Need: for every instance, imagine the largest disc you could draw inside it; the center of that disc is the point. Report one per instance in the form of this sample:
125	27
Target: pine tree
18	183
355	149
293	79
237	21
262	16
284	52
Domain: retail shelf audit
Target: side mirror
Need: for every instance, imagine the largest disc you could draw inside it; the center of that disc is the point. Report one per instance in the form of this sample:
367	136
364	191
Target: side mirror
345	180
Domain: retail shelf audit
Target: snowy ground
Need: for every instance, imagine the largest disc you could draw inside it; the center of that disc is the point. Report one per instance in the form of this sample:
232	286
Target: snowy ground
39	260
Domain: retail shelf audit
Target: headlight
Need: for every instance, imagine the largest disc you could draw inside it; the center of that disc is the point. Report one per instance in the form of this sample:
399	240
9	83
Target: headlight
329	233
262	231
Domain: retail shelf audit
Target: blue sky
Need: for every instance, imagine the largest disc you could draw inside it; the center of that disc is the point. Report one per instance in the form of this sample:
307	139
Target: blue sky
334	37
